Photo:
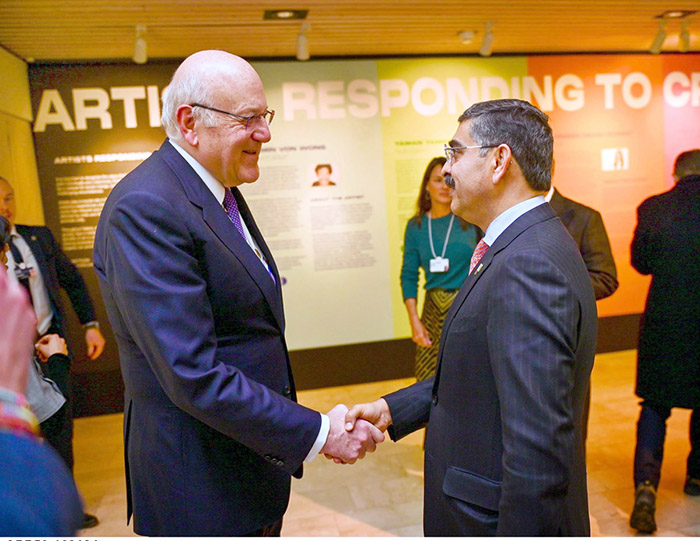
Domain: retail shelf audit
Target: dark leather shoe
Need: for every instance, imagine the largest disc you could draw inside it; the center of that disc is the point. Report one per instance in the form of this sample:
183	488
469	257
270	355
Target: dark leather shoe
89	521
692	486
642	518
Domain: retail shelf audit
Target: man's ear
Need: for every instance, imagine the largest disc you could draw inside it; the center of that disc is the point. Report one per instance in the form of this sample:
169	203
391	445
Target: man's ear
502	160
186	124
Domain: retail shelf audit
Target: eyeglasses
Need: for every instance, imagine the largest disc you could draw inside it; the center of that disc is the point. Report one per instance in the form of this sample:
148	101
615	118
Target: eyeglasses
267	116
451	151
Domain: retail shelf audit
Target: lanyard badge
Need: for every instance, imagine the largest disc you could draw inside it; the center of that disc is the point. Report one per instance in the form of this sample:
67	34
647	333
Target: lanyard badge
439	263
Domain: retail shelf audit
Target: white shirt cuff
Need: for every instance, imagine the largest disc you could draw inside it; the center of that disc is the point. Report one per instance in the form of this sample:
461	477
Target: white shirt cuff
320	439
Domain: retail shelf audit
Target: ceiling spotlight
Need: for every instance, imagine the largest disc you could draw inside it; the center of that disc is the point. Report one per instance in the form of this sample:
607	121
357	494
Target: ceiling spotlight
675	14
487	43
466	37
285	14
659	39
303	42
684	38
140	48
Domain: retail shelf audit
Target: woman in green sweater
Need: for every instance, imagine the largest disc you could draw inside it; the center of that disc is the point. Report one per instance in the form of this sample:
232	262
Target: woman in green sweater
441	244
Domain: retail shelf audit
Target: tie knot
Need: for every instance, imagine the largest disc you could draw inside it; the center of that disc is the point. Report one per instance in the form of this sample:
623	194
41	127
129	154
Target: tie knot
479	252
231	208
229	200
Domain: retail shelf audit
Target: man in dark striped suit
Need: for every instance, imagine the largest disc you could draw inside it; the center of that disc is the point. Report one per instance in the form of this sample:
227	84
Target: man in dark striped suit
504	451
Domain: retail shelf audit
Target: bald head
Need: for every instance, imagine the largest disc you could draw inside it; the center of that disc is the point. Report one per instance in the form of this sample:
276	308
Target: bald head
207	77
215	109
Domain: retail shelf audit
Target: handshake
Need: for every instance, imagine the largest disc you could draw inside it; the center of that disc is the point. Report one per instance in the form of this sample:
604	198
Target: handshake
357	431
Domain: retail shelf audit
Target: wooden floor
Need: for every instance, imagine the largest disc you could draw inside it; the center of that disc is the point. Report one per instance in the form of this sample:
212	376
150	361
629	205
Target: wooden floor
382	495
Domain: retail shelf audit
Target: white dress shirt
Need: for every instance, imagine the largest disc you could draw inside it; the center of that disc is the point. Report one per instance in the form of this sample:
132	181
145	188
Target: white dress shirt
219	192
40	295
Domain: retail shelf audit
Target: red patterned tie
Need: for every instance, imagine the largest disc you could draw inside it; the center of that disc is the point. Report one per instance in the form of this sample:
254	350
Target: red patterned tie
479	252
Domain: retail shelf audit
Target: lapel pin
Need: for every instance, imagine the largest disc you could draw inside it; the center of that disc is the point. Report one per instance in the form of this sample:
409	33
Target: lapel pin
478	269
33	238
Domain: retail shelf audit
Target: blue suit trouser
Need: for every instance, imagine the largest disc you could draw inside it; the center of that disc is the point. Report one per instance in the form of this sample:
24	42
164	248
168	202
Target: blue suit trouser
651	435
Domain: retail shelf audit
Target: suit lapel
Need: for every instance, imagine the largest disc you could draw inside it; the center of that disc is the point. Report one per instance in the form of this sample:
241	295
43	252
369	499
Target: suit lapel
527	220
217	220
29	235
247	216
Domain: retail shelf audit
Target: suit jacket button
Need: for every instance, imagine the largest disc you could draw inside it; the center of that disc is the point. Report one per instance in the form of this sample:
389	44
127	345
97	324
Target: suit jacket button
435	400
287	391
280	463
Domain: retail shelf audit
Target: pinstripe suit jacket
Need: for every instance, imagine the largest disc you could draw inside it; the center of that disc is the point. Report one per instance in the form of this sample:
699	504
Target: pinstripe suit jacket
504	450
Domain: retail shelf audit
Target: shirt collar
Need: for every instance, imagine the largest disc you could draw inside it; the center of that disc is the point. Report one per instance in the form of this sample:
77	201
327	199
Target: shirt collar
549	194
503	221
215	187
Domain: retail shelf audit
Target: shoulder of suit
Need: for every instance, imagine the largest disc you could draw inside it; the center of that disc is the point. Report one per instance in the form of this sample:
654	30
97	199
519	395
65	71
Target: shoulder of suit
26	230
579	208
659	199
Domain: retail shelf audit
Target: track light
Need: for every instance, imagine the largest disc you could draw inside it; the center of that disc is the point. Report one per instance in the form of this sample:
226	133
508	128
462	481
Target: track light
140	47
659	39
684	38
487	43
303	42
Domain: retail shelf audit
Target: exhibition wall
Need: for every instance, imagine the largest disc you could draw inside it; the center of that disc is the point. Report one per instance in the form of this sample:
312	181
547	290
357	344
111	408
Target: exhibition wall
17	159
618	120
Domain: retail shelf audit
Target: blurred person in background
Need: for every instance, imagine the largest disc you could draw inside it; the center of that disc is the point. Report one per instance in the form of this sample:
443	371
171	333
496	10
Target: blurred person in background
43	269
666	245
441	244
585	225
38	495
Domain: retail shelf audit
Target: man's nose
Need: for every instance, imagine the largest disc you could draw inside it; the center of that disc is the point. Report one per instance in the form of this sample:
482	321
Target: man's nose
261	132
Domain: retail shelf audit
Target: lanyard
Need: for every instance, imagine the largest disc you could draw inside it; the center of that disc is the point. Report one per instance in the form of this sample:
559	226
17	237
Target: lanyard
447	237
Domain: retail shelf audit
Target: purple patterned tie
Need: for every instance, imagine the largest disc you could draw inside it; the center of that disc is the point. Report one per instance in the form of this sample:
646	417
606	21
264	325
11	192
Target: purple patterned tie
231	207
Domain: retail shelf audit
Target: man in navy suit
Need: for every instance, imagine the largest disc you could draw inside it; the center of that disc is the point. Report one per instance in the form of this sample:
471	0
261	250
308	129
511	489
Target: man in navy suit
504	452
212	429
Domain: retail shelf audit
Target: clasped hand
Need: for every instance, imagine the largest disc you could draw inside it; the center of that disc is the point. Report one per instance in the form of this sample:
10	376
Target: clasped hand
347	446
355	432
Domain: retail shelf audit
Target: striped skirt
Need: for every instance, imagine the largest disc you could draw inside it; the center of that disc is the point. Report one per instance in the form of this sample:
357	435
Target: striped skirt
437	303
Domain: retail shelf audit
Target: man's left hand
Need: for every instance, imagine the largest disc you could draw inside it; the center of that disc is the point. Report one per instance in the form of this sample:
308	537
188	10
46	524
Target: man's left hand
95	343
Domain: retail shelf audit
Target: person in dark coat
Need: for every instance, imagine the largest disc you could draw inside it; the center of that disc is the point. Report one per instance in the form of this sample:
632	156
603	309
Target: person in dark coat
666	244
585	225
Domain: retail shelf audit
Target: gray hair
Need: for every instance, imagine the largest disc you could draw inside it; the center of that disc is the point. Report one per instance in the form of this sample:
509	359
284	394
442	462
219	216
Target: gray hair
521	126
187	88
687	164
